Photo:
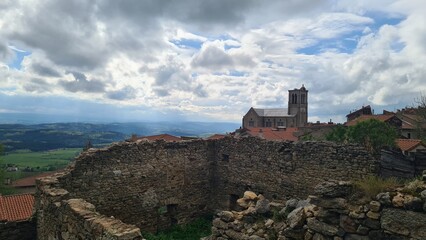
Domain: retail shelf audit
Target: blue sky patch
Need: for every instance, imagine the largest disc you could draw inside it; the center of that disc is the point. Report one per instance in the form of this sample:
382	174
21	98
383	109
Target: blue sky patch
343	45
381	19
17	60
188	43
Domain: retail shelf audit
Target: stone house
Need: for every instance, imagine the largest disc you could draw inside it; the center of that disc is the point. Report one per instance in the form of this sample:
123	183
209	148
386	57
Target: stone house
295	115
409	146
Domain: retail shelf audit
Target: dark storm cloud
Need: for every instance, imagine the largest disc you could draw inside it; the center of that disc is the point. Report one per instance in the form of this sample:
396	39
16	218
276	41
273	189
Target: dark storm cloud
125	93
82	84
37	85
84	35
45	71
65	30
5	52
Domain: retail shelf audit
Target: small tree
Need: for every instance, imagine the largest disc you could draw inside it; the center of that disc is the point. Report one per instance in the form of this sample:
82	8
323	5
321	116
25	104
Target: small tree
421	113
1	168
88	145
373	134
338	134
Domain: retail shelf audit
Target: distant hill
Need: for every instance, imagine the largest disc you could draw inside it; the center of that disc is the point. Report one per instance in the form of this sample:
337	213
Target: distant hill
40	137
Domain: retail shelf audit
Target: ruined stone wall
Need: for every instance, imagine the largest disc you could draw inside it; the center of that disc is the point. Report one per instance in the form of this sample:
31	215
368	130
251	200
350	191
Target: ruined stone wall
154	185
281	170
59	217
336	212
151	185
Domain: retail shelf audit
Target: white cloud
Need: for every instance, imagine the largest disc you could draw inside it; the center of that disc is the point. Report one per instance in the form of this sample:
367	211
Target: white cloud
251	53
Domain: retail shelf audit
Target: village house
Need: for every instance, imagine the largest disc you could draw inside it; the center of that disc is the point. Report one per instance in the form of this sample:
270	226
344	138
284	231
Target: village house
409	146
295	115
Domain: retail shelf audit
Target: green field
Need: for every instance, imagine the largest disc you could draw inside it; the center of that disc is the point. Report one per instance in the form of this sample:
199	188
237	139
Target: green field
40	161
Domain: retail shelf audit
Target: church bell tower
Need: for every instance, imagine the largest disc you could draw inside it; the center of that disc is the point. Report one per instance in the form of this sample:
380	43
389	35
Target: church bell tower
298	105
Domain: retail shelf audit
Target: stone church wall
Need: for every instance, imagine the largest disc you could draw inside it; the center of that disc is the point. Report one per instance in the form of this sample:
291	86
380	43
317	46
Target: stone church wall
154	185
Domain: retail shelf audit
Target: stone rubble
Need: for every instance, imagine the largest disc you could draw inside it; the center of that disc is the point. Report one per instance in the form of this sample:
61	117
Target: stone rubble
329	215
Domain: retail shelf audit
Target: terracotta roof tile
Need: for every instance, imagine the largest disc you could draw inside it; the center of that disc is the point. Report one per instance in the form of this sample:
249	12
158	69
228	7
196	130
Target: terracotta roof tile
286	134
30	181
408	144
380	117
16	207
216	136
165	137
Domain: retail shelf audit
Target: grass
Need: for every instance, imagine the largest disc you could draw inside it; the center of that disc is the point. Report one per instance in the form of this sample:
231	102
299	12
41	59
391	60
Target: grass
58	158
192	231
373	185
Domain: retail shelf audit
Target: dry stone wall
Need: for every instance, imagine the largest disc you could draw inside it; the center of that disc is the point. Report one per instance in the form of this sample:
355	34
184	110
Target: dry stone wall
154	185
332	214
281	170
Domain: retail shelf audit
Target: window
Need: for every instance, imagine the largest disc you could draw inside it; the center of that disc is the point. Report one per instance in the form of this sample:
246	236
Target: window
251	123
280	123
268	123
302	100
408	135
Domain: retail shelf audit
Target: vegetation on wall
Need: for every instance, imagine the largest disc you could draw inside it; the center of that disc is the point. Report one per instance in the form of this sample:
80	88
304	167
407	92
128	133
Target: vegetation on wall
372	133
421	113
192	231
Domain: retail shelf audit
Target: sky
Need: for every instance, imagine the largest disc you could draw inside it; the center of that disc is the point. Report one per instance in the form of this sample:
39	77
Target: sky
208	60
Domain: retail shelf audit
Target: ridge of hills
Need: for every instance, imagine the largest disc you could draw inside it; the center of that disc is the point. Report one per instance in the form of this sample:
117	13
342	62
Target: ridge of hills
48	136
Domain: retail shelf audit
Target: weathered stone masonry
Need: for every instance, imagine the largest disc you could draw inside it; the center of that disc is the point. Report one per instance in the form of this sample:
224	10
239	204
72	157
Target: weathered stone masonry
155	185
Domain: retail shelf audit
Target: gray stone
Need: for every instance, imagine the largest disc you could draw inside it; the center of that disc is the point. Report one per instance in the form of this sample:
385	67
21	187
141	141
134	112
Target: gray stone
375	234
292	203
318	236
373	215
236	235
423	194
323	228
330	203
384	199
294	233
404	223
371	223
414	204
226	216
348	224
219	224
255	237
332	189
303	203
262	206
356	237
374	206
296	218
269	223
362	230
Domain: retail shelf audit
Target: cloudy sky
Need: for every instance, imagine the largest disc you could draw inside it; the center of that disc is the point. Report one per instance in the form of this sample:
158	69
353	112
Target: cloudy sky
208	60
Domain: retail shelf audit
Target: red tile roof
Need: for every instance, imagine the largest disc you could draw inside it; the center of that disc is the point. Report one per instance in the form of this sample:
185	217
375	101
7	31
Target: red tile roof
380	117
165	137
408	144
16	207
284	134
30	181
216	136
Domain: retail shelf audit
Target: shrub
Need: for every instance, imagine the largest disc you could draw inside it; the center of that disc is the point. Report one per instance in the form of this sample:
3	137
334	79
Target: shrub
192	231
373	185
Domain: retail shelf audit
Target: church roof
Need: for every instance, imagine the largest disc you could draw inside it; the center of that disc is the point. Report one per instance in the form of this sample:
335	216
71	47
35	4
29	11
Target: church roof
272	112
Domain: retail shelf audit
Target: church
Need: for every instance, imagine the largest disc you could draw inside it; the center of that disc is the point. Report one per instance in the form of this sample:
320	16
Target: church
295	115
